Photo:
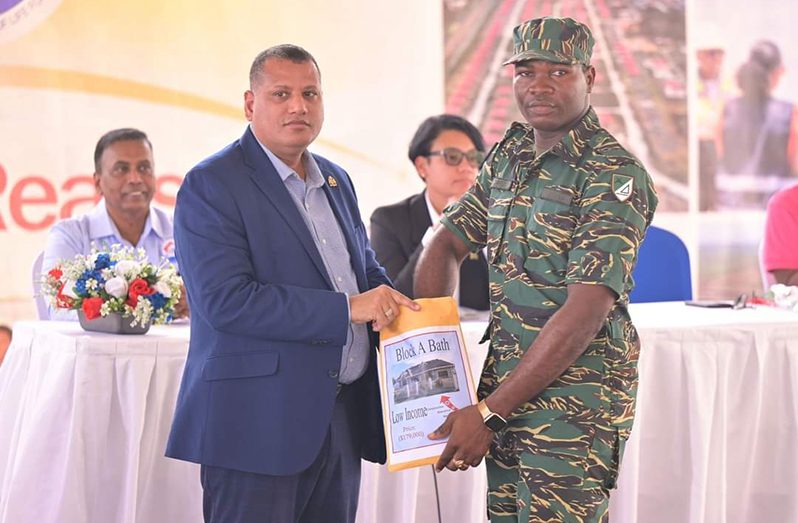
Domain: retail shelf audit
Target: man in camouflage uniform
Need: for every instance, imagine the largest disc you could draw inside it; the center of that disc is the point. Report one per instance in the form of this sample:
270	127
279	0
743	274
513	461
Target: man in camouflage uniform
562	209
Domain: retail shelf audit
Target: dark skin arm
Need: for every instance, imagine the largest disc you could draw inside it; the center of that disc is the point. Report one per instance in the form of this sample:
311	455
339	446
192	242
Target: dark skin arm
562	340
437	268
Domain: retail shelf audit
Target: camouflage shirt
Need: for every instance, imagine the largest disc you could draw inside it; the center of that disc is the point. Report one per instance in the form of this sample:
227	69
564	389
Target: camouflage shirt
575	214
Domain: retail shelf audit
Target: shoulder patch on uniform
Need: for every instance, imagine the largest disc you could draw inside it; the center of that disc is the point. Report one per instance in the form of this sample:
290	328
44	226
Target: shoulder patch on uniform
622	186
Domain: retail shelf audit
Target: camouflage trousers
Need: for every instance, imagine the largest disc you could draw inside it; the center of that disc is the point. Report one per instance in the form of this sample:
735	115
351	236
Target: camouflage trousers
558	457
553	471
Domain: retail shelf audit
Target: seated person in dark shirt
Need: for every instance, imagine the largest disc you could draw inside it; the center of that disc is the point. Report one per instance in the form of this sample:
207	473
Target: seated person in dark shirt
446	151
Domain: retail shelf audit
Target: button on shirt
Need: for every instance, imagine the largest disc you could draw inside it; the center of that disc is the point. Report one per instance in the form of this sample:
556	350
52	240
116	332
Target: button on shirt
96	230
312	203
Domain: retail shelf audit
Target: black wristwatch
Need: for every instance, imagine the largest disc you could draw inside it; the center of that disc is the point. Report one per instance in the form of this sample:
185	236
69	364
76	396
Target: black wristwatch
492	420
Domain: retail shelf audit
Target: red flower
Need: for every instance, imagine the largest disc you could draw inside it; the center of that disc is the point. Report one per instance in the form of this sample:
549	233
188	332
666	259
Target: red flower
91	307
64	302
55	273
138	287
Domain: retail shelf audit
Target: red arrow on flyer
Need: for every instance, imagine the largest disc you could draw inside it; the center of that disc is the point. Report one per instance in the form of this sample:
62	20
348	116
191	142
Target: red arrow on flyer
446	401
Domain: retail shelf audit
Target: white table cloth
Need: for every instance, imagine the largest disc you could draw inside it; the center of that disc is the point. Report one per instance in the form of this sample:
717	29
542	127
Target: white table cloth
716	434
715	438
84	420
83	425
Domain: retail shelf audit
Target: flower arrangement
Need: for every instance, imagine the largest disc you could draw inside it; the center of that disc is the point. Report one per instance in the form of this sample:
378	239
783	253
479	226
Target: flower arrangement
121	281
785	296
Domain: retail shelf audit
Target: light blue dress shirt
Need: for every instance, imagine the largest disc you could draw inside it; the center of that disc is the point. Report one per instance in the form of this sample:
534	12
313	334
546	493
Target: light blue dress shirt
312	203
95	229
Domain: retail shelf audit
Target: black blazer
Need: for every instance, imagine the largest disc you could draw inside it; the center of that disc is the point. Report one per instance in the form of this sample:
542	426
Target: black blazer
396	232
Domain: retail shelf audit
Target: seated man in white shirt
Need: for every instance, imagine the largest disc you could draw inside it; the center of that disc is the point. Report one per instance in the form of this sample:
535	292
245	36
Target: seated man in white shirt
124	176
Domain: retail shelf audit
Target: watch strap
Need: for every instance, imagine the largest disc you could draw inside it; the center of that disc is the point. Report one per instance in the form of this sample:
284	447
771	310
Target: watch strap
492	420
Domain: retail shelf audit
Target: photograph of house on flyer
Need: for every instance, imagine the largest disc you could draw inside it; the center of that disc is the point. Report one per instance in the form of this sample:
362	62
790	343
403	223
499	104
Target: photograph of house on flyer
424	379
424	376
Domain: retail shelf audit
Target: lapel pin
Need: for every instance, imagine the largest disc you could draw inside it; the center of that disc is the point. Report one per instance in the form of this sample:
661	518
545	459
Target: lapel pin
331	182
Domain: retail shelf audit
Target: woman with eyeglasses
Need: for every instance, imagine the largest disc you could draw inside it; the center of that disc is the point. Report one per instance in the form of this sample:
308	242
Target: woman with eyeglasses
446	152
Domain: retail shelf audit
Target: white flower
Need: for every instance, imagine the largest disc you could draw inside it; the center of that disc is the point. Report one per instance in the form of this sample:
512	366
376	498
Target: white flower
785	296
127	268
69	289
163	287
116	287
142	313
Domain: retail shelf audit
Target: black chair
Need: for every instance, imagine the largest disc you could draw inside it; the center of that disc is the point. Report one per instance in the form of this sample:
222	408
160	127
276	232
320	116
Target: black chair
663	269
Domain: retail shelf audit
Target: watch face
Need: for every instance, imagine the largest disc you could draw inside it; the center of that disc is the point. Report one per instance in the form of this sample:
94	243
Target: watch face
495	422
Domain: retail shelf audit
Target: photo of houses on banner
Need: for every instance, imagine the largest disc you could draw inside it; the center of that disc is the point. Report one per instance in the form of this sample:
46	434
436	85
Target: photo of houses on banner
427	378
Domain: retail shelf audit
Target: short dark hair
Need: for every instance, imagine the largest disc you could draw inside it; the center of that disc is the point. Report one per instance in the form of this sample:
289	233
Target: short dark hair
753	77
767	54
433	126
7	330
291	52
117	135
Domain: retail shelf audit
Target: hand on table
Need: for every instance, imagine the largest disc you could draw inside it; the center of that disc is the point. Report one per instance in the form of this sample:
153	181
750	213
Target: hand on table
379	306
469	439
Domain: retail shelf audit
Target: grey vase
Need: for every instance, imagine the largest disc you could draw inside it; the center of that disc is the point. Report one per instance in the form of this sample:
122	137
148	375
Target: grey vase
114	323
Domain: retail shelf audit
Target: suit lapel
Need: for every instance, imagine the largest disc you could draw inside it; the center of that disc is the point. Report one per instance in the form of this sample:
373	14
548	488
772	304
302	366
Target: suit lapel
419	217
265	177
335	197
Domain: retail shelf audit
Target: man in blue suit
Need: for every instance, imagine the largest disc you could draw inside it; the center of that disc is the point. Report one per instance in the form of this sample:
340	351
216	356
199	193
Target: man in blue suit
279	398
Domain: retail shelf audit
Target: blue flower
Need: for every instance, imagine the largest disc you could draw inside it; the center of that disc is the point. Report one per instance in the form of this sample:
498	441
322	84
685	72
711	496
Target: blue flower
157	300
80	285
103	261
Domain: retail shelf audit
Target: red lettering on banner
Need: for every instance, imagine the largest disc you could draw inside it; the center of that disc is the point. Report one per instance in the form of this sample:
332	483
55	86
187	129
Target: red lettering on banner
36	191
162	197
3	181
17	200
69	206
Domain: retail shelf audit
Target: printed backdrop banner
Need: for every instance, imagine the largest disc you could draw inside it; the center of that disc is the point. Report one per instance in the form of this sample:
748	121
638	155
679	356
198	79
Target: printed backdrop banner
665	70
70	70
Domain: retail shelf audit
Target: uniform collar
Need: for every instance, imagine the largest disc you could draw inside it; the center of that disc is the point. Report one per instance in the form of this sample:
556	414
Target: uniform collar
572	146
101	225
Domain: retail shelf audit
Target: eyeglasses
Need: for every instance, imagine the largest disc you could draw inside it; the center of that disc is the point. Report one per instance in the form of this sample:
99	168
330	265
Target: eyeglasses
453	156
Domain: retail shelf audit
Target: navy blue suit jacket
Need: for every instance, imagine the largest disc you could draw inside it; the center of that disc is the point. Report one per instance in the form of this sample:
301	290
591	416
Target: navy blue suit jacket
267	326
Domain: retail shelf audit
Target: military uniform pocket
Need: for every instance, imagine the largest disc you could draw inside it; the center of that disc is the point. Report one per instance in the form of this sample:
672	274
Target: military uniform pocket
499	204
556	453
604	459
621	379
551	225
